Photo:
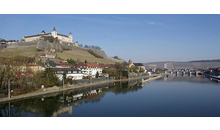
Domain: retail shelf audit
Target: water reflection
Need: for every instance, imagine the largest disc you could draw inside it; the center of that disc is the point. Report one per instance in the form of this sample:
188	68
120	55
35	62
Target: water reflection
196	79
168	96
60	103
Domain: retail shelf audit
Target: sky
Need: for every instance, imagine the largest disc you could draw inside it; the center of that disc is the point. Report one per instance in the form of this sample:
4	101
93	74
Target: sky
140	37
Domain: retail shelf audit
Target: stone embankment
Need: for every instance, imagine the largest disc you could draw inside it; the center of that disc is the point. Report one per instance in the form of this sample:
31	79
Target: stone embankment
66	87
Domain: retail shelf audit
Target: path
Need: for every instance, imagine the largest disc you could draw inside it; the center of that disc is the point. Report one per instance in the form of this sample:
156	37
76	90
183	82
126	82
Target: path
58	89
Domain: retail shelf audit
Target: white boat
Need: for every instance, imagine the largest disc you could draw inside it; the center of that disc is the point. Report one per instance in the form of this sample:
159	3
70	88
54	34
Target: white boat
215	77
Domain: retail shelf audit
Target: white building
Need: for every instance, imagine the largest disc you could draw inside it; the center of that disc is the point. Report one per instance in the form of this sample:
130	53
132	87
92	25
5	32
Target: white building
89	69
93	69
83	67
61	37
72	73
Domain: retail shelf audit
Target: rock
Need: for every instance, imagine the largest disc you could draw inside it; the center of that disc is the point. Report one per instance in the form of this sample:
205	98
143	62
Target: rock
45	45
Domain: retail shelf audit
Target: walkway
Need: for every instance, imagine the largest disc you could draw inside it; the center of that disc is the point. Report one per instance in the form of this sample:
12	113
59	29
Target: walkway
58	89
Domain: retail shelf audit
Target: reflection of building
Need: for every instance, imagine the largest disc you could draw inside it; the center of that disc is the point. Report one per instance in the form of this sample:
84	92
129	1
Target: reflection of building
188	79
75	100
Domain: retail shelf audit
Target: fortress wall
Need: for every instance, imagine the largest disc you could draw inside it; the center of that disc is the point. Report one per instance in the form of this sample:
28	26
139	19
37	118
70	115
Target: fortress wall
25	44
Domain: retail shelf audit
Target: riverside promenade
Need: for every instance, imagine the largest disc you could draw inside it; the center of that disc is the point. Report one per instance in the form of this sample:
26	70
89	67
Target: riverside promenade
60	89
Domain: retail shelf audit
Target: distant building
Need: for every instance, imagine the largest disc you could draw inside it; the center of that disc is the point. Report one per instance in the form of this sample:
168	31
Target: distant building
139	66
63	65
24	74
51	54
106	66
61	37
36	68
3	41
19	67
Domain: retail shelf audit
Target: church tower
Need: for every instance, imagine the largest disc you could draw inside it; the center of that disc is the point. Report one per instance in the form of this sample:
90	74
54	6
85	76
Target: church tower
130	63
54	33
70	37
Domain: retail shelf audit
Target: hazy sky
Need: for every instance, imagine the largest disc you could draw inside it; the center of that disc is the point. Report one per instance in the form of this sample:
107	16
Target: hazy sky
142	38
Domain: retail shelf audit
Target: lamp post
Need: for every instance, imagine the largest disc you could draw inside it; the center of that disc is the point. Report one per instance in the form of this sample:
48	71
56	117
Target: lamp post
63	81
9	88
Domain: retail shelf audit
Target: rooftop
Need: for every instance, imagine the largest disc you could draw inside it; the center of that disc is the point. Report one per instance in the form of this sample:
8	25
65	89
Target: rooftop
93	65
138	64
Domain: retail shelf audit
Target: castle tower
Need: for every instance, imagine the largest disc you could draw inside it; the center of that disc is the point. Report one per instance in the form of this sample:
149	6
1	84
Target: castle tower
54	32
70	37
43	32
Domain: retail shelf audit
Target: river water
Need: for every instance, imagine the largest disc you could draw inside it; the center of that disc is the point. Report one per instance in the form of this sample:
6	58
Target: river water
180	96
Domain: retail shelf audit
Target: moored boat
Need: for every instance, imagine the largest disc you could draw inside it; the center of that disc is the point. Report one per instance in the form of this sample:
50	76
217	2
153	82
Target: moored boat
215	74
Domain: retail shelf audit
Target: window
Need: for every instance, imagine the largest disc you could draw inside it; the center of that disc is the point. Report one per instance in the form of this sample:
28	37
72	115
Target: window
74	72
69	72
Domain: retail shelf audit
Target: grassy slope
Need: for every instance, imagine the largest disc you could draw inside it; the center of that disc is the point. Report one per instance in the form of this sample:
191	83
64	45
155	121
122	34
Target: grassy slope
82	56
74	54
24	51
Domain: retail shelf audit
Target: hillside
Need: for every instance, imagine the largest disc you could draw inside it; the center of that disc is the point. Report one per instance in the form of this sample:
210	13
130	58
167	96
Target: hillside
82	56
76	53
28	51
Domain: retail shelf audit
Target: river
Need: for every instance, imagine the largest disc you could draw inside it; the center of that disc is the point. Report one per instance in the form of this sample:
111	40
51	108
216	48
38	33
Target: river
180	96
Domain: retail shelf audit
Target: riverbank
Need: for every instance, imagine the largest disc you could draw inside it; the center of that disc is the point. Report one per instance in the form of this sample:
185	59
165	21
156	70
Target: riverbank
59	89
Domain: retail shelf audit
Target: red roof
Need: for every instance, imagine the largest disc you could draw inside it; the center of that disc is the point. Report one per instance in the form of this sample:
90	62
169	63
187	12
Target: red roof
17	75
63	64
93	65
80	65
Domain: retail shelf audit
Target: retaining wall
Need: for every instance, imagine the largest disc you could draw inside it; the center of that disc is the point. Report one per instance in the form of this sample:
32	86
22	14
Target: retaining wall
91	81
136	75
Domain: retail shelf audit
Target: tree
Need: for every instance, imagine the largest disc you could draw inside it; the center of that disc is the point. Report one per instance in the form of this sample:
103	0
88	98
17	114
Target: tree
80	45
116	57
70	61
97	74
158	70
86	61
50	78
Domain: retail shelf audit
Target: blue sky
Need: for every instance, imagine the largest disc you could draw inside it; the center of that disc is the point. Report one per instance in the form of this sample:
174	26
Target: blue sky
142	38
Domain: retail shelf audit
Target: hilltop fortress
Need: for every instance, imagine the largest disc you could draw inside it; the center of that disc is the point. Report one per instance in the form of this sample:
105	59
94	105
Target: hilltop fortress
61	37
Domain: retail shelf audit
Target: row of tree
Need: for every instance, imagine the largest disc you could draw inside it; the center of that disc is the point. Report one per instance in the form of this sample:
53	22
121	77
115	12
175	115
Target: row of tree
90	47
10	71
